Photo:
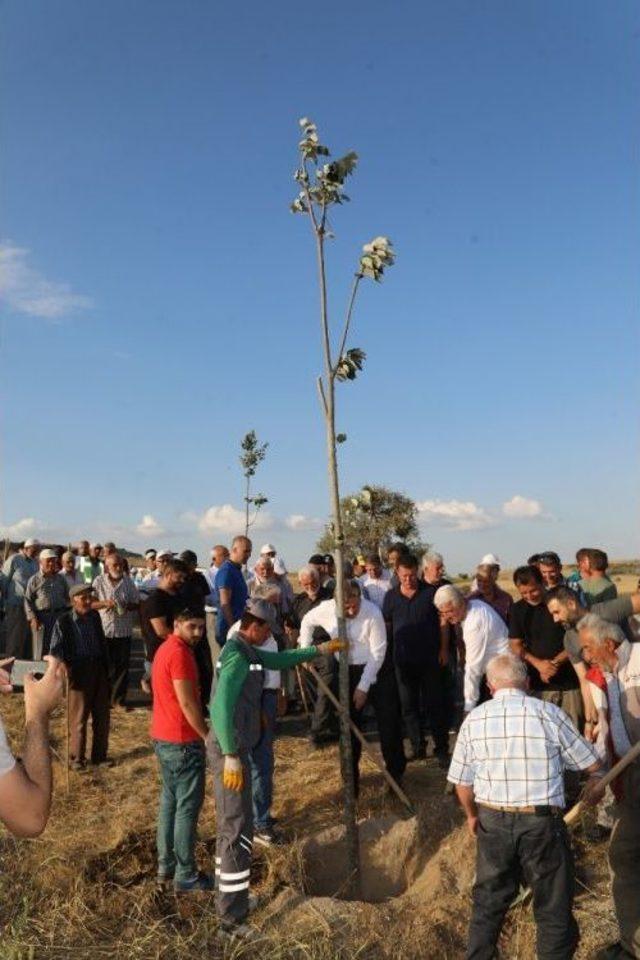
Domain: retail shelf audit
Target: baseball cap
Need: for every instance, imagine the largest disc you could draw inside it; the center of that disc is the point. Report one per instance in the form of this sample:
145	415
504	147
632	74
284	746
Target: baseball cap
150	553
490	560
32	543
48	554
79	588
267	548
165	552
263	610
317	559
188	556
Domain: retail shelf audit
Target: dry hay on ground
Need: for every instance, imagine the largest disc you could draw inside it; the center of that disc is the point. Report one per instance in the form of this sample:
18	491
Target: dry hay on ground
85	888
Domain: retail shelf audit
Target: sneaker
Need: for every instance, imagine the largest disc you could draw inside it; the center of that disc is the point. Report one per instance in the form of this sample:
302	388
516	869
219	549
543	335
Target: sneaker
232	932
202	883
164	882
268	837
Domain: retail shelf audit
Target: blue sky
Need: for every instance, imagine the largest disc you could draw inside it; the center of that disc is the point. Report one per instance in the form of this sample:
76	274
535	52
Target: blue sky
160	300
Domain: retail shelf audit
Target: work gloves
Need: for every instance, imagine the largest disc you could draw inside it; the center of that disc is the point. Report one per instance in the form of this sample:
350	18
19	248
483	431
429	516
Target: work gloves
232	776
332	646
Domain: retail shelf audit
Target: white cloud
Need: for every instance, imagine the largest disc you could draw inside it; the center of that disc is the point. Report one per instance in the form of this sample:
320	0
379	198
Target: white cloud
24	290
149	526
227	519
519	508
455	514
21	529
300	521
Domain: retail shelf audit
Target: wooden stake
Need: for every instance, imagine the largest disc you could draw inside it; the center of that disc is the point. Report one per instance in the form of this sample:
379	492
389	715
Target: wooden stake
371	753
303	692
67	731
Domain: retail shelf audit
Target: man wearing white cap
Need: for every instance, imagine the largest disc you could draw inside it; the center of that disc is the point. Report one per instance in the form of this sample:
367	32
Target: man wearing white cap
18	570
279	566
46	598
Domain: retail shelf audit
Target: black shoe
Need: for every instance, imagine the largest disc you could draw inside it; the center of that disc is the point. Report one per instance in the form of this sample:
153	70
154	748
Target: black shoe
443	758
268	837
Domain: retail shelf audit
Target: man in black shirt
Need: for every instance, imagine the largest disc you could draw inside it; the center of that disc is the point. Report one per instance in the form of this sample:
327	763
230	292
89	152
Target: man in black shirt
415	638
323	721
539	641
192	596
158	610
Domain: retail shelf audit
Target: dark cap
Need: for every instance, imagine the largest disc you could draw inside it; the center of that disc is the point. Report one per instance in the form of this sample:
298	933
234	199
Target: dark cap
317	559
263	611
188	556
549	556
79	588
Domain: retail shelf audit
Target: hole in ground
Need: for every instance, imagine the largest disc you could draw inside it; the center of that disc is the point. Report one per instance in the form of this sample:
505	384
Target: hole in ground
389	860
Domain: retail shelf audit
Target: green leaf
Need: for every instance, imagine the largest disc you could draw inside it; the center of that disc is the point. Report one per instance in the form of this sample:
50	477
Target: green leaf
341	438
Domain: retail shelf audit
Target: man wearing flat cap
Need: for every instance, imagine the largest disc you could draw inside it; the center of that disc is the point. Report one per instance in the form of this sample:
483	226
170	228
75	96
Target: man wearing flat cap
18	570
78	640
45	600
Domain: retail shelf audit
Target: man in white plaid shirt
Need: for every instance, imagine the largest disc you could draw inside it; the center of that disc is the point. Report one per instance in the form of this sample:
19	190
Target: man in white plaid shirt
508	767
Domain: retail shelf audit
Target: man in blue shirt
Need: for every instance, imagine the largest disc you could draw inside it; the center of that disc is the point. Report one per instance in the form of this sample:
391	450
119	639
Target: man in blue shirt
231	587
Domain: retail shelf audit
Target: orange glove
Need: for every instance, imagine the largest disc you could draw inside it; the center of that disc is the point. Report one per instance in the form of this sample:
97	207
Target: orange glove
232	777
333	646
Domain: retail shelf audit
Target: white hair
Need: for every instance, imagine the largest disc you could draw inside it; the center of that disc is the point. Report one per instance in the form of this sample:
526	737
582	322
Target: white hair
600	629
432	557
448	594
309	571
506	670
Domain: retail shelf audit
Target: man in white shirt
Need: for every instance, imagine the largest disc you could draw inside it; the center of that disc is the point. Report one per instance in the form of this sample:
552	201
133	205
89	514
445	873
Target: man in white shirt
614	679
371	675
376	580
484	634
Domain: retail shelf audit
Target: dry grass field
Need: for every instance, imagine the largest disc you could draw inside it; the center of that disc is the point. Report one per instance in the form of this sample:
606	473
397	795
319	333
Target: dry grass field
85	889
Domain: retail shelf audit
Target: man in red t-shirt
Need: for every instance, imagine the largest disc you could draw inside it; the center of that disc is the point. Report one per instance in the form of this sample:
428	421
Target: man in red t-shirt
179	731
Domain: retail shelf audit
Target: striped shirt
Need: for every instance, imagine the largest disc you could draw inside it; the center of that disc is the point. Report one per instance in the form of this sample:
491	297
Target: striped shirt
513	751
123	592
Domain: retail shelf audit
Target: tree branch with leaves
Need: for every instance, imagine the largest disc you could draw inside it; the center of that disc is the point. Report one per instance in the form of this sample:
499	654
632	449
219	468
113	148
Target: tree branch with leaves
322	187
252	455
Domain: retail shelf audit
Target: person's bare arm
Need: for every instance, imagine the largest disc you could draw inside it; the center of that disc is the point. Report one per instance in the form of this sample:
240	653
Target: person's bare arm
190	706
590	712
25	791
443	654
468	804
160	627
546	668
225	605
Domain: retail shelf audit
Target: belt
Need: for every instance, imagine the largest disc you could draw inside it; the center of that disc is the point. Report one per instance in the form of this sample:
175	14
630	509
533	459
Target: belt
541	811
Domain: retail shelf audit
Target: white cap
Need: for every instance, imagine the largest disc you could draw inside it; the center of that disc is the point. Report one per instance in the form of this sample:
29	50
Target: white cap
150	553
165	552
48	554
32	543
490	560
94	546
267	548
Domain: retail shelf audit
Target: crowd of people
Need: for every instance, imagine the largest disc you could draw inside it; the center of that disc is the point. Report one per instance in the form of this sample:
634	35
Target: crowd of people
543	691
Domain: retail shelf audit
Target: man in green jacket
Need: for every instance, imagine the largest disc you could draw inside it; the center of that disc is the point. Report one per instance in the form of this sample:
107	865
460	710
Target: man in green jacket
236	725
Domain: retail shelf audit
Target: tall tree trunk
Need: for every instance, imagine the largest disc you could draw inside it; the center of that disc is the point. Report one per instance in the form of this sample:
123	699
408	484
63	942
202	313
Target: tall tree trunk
246	509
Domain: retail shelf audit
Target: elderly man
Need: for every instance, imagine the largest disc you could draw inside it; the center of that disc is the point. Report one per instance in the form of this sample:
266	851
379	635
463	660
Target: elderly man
507	768
420	650
18	570
487	589
231	587
376	580
279	566
69	569
539	641
79	641
312	593
45	599
433	571
614	676
371	675
484	634
118	602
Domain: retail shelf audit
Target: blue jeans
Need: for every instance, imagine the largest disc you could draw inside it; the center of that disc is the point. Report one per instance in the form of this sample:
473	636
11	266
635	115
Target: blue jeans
182	766
261	763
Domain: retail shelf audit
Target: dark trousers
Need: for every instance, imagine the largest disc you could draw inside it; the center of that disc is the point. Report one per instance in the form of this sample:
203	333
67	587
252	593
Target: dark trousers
119	650
89	697
322	721
202	653
234	840
261	761
18	641
423	693
383	697
521	846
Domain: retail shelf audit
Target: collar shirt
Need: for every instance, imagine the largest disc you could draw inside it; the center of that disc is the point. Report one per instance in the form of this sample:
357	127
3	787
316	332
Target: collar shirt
501	601
376	587
514	749
366	634
45	594
485	636
622	698
118	622
18	570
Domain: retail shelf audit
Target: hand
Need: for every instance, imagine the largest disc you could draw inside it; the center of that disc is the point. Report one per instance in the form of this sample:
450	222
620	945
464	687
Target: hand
547	669
34	623
593	791
232	777
5	675
472	825
333	646
359	699
41	696
109	604
590	731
